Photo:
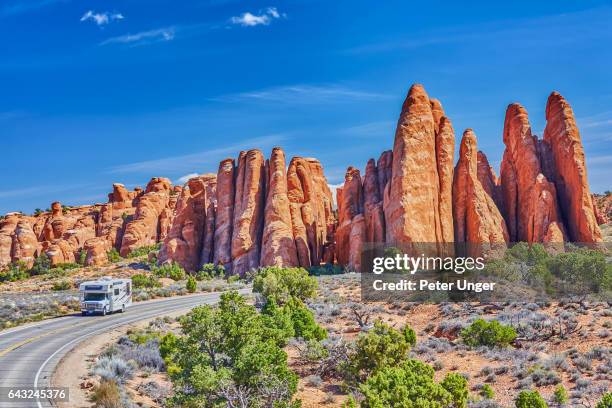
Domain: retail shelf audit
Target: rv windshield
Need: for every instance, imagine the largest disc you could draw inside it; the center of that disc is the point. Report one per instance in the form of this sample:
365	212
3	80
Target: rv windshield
95	296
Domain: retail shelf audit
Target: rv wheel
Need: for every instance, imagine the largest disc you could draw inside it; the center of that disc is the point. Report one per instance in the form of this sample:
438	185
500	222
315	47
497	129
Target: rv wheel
83	313
122	308
104	311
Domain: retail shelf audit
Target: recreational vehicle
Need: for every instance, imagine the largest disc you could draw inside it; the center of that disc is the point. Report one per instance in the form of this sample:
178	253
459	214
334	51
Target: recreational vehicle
106	295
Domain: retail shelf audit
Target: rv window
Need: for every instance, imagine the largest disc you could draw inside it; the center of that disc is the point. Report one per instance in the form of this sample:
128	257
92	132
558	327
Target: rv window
95	296
116	292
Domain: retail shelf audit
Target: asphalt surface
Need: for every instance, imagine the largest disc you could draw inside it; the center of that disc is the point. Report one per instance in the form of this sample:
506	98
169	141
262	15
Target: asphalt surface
29	354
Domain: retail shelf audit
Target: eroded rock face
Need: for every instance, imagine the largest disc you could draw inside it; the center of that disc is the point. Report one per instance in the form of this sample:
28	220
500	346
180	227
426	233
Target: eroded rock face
248	212
445	157
477	218
350	206
488	179
7	230
373	205
570	174
530	199
602	207
310	204
185	241
278	245
143	230
225	213
25	245
97	249
121	197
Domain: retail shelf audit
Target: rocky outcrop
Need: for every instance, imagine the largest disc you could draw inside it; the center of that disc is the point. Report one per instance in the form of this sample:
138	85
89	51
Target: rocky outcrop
248	212
477	218
351	232
225	213
310	204
7	231
122	198
602	205
445	155
530	199
278	246
25	245
570	174
143	230
189	233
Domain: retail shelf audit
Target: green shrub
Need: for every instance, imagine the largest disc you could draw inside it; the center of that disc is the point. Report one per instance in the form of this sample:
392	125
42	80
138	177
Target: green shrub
141	280
145	250
560	396
14	272
606	401
172	270
327	269
113	255
282	284
210	271
82	257
61	285
68	265
585	270
409	335
487	392
530	399
411	384
41	266
457	386
191	285
304	324
483	333
381	347
227	347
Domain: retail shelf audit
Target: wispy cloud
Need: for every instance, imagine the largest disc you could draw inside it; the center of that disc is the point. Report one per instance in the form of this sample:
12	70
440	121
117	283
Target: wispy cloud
101	18
194	161
303	94
40	190
186	178
263	18
25	6
143	37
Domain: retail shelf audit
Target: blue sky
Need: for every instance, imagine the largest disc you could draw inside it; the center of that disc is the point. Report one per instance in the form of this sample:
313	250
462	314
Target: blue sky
95	92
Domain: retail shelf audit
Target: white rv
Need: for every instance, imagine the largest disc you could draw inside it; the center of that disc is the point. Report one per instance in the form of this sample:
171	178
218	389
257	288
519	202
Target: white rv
106	295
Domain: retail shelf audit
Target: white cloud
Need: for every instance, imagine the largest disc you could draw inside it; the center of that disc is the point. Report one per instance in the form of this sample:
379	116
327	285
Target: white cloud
160	34
101	18
304	94
186	178
263	18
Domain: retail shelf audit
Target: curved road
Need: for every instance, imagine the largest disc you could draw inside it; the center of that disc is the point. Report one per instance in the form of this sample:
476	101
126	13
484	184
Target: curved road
29	354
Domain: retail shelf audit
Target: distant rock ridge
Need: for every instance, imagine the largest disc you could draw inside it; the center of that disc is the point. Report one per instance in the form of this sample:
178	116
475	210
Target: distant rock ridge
257	211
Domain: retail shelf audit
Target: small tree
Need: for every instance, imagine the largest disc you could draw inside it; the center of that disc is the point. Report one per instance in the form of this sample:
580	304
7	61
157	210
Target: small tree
483	333
530	399
191	285
282	284
560	396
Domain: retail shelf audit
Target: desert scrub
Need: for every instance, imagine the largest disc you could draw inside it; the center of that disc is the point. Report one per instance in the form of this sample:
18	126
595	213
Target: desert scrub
107	395
530	399
114	368
191	284
411	384
143	251
113	256
61	285
284	283
560	395
210	271
141	280
486	391
172	270
490	334
16	309
606	401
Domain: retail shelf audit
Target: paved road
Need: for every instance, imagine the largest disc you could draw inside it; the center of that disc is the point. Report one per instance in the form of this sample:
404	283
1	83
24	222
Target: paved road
29	354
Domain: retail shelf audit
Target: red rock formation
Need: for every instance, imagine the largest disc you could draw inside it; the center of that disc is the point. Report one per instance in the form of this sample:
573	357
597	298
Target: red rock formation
602	205
445	157
189	231
477	218
384	167
225	213
373	205
7	229
97	250
489	180
350	205
143	230
414	189
563	137
121	197
25	245
248	212
310	203
528	210
278	247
